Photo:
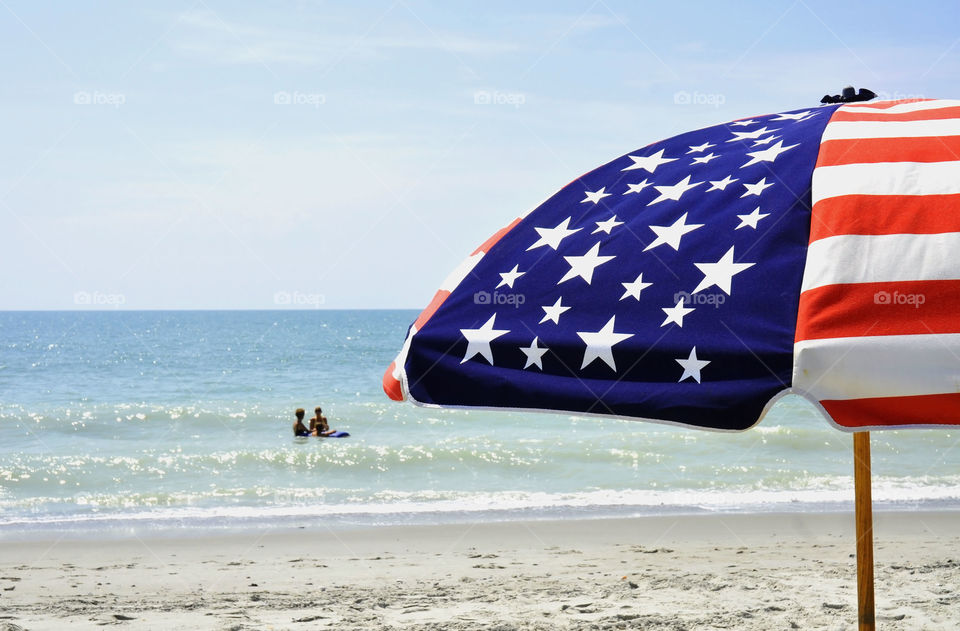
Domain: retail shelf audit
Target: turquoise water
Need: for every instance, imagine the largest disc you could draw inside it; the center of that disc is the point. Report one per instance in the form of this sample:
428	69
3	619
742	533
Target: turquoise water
129	421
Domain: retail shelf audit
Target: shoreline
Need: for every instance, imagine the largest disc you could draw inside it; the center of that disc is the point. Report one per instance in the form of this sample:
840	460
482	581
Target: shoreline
106	528
748	571
678	527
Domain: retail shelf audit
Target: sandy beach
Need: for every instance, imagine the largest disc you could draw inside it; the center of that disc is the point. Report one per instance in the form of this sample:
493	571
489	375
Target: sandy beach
695	572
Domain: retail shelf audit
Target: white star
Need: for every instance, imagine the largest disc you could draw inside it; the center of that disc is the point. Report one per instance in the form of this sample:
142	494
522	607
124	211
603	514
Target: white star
675	314
600	344
756	188
720	273
648	163
534	354
594	196
583	266
752	219
636	188
750	135
720	185
633	289
478	340
674	191
743	123
554	311
799	116
767	155
608	225
704	159
671	235
508	278
700	148
692	366
553	236
765	141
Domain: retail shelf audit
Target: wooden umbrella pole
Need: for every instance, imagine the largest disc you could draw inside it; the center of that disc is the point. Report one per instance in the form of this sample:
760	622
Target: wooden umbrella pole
864	517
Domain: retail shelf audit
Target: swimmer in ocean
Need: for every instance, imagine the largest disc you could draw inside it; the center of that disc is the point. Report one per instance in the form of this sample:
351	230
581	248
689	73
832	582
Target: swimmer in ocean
319	425
299	429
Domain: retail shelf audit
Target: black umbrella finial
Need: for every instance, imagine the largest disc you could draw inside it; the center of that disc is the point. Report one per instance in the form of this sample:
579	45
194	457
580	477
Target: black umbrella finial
850	95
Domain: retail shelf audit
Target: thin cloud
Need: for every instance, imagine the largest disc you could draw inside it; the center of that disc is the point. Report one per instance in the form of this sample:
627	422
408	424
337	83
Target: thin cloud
211	37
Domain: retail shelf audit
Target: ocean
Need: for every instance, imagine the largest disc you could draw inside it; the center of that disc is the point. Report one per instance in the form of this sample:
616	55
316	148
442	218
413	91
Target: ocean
116	423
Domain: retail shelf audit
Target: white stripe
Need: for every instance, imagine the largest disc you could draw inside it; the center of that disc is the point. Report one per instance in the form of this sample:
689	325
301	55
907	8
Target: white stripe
886	178
461	271
902	108
400	360
855	130
880	366
858	258
400	365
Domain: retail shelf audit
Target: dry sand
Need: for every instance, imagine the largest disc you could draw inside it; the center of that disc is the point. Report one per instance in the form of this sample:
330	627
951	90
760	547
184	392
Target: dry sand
705	572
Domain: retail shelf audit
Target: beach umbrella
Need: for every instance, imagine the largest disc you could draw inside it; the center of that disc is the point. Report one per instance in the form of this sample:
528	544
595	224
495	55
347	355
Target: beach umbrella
696	280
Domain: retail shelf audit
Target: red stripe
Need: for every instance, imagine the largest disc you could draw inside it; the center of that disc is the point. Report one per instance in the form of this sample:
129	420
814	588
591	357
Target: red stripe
427	313
442	294
489	243
920	115
391	385
927	409
881	104
872	150
891	308
885	214
888	308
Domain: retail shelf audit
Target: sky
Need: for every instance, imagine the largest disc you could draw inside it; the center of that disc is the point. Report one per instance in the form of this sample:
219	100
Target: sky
299	155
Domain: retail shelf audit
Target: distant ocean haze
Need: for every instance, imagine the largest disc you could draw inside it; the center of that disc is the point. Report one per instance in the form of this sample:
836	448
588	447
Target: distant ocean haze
129	421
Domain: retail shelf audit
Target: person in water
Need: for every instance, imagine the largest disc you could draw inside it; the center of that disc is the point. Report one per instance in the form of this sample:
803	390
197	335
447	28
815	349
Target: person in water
319	425
299	429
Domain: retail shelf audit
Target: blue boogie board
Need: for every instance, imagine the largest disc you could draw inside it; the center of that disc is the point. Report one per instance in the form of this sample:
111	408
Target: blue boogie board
336	435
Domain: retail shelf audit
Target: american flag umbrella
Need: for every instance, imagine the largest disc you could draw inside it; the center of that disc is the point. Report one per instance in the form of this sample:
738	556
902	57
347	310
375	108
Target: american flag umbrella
696	280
